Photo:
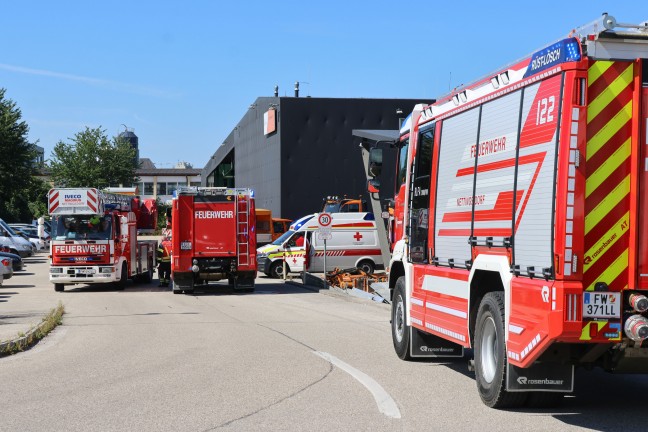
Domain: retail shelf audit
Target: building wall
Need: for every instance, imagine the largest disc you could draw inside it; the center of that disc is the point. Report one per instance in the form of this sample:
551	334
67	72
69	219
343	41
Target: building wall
320	155
257	157
149	185
311	155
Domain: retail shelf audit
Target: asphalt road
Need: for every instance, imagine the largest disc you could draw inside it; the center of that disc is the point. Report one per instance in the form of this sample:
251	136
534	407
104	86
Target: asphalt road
281	359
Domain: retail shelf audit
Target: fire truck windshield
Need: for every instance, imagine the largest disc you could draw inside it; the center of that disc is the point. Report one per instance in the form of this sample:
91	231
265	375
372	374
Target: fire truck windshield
81	227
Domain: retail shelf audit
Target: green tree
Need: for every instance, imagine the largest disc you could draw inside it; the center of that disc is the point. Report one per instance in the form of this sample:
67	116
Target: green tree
162	210
17	165
92	160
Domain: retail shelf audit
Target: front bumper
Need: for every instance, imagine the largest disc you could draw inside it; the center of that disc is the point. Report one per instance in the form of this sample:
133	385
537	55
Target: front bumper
82	274
263	263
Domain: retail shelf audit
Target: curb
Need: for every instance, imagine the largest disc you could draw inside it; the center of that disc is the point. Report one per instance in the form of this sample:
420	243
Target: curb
33	336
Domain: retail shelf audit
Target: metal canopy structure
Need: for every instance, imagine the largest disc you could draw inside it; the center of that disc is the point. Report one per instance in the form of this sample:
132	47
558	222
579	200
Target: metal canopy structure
377	134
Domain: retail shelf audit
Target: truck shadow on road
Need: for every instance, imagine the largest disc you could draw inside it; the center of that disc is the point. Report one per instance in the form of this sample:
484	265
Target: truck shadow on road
601	401
111	288
259	289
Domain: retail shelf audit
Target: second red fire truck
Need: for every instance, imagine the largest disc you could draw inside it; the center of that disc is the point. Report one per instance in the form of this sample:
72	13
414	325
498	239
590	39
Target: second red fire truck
213	238
523	200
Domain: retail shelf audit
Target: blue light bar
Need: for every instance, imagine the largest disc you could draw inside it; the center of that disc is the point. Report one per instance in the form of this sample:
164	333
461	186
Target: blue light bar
566	50
298	224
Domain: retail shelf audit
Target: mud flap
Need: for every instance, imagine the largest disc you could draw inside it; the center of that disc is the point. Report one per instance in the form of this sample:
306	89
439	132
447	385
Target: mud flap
424	345
545	376
244	281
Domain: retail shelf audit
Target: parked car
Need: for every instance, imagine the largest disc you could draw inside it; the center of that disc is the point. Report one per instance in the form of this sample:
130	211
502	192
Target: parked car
17	262
6	268
17	244
36	244
32	235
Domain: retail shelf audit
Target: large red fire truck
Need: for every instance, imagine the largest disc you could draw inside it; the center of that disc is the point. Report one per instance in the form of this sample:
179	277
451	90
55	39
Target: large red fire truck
94	238
524	205
213	234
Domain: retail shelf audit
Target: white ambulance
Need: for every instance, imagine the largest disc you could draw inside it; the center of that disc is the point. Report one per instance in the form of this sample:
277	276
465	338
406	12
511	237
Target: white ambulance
354	243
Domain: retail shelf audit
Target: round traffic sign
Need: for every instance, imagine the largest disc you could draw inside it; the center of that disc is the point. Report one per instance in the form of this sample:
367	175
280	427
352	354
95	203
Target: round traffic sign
324	219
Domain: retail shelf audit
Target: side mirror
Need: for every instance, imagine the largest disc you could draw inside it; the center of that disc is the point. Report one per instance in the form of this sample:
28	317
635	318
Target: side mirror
373	186
375	162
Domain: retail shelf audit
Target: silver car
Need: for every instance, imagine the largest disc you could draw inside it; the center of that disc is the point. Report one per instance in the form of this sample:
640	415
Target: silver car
6	268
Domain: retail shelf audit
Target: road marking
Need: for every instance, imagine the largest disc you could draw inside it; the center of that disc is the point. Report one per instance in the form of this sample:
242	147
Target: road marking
385	403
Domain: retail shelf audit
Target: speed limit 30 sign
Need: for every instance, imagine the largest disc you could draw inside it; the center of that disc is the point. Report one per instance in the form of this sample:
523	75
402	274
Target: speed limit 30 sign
324	220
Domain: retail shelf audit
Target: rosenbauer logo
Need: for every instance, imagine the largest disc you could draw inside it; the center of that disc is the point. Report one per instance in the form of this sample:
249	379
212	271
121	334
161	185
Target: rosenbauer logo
223	214
82	249
544	381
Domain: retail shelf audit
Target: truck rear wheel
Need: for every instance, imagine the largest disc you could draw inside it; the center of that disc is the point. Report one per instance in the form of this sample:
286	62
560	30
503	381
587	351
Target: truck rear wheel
148	276
176	288
189	289
244	282
59	287
490	354
400	329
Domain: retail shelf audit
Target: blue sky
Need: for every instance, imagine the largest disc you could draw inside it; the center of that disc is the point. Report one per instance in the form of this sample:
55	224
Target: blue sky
182	74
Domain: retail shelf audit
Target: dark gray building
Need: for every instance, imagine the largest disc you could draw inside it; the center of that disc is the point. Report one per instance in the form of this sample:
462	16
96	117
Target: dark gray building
130	137
294	151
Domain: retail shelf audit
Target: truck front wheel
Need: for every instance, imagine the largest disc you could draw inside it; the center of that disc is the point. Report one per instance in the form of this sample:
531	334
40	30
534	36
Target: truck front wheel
124	277
490	354
59	287
400	329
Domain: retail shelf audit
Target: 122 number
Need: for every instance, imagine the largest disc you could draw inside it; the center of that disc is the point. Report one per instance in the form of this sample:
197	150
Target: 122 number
544	114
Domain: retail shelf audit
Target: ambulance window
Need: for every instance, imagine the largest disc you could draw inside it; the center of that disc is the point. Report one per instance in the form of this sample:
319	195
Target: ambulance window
419	213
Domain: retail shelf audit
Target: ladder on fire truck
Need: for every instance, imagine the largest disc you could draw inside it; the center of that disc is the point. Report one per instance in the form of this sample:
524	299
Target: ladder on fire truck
242	229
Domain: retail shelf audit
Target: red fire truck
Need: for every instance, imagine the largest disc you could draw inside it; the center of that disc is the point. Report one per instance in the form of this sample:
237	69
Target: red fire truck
525	215
94	238
213	232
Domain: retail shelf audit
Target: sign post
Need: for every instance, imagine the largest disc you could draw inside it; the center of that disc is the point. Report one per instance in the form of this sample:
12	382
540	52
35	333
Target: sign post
324	232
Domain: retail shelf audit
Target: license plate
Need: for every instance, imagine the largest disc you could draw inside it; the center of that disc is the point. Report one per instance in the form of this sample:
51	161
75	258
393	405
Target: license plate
85	271
601	305
185	245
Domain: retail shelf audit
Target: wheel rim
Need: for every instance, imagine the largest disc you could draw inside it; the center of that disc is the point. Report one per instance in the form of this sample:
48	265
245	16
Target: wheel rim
399	319
488	349
278	271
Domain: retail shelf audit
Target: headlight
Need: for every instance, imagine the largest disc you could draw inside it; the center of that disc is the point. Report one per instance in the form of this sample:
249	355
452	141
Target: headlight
261	255
56	270
105	270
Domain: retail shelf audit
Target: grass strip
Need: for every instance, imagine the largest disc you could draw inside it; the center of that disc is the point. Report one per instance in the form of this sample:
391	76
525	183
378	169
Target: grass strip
35	334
